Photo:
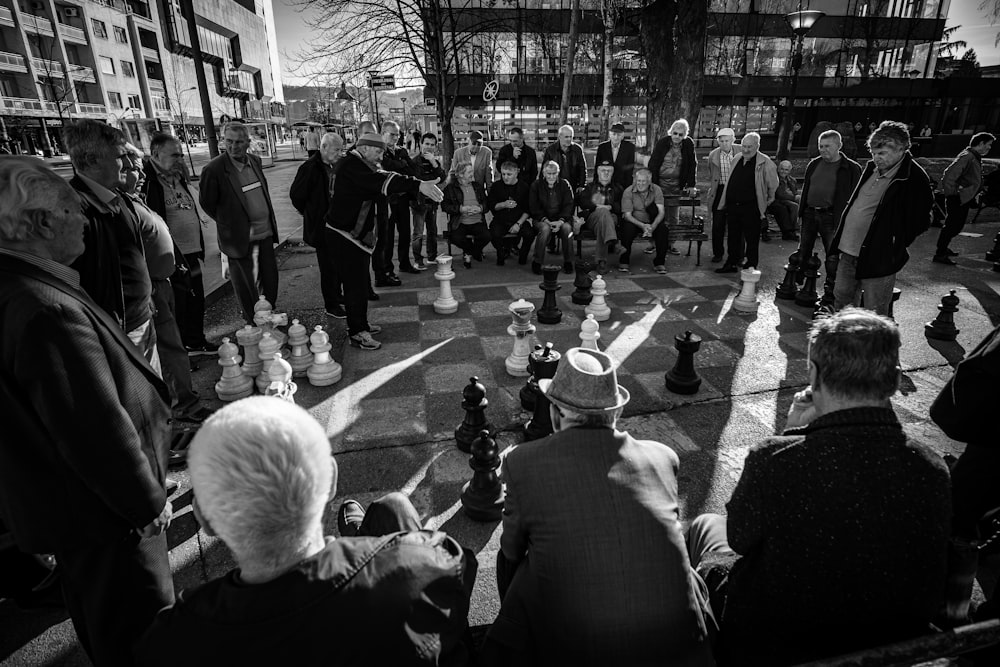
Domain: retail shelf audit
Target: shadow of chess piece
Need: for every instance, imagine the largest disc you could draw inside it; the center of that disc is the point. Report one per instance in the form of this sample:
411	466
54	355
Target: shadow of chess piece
474	403
807	296
581	295
542	364
683	378
943	326
788	287
994	255
483	495
825	303
234	384
549	313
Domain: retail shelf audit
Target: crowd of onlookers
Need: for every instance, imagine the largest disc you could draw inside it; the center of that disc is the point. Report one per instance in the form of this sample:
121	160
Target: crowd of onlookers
841	534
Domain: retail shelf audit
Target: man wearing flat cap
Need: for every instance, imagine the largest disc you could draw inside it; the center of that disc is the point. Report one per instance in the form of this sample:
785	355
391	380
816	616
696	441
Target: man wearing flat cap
620	153
593	567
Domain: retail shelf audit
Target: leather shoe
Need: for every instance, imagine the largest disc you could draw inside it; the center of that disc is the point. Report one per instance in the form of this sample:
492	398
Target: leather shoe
388	281
941	259
727	268
408	269
717	258
373	296
950	253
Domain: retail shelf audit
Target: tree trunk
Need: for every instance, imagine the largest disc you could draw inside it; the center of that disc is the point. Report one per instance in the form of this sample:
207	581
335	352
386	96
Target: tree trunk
574	28
608	53
673	35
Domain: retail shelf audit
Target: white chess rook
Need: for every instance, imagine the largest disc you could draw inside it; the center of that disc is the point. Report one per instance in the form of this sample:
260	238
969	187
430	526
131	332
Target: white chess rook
249	337
746	302
324	370
589	333
445	304
598	306
523	332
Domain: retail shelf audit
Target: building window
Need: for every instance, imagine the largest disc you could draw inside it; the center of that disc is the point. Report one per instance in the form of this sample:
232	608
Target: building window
120	35
128	69
100	29
107	65
115	99
135	102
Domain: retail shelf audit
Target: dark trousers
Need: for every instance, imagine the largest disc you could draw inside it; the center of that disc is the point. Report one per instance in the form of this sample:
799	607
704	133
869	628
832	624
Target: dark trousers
974	490
785	213
173	357
718	224
248	290
629	232
353	264
382	225
816	223
189	302
500	236
470	238
954	222
743	227
399	222
113	591
329	278
389	514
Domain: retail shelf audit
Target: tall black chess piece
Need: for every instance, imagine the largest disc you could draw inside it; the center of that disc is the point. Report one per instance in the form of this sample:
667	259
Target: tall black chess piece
542	365
826	302
582	283
787	288
943	326
549	313
683	378
474	403
806	296
483	495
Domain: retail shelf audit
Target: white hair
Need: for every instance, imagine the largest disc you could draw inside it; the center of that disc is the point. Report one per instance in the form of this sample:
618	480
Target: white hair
751	135
262	473
331	138
683	124
785	164
27	185
567	127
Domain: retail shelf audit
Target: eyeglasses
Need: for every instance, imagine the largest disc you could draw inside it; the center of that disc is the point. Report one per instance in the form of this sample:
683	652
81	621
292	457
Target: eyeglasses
677	134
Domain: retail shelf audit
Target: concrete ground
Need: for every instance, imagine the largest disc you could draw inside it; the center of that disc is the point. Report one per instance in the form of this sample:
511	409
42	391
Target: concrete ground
752	381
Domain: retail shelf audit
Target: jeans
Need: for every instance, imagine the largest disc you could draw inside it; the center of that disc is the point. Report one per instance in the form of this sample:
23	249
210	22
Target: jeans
848	289
424	228
743	222
718	224
543	231
602	223
630	231
953	224
354	264
249	287
816	223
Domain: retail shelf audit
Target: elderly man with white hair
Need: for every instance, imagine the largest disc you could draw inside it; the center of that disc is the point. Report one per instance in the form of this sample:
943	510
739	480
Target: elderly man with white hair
83	451
262	475
750	190
785	207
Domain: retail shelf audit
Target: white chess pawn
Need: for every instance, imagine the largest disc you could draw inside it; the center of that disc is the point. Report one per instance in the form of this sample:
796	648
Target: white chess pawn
233	385
445	304
249	337
589	332
746	302
268	321
268	347
324	370
280	375
301	357
598	306
523	331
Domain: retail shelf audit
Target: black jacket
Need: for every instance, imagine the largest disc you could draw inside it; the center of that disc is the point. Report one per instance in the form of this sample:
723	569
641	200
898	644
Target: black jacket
624	165
612	195
572	164
848	174
964	408
903	214
527	163
398	160
688	161
454	198
310	195
501	192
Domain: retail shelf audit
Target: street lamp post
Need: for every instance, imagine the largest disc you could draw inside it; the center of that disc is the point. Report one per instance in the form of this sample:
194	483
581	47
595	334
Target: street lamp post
405	126
801	23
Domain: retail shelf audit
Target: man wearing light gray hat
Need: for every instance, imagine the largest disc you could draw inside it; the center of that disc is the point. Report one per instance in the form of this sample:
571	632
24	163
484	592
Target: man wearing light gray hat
593	567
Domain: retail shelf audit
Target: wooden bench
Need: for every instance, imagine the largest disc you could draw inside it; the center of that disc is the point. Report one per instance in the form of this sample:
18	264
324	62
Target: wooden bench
692	231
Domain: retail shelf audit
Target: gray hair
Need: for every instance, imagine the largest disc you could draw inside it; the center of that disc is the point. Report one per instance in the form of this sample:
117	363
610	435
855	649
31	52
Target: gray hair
550	165
683	124
88	141
831	134
390	123
889	132
27	185
331	138
567	127
784	164
750	135
856	354
571	419
262	474
237	126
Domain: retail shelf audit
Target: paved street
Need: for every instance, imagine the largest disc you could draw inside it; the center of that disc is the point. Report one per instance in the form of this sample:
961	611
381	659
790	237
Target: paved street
390	420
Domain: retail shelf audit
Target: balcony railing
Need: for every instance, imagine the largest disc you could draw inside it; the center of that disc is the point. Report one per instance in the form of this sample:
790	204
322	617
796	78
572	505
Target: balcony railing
12	62
156	86
150	54
38	24
6	17
82	73
72	33
47	67
92	109
20	104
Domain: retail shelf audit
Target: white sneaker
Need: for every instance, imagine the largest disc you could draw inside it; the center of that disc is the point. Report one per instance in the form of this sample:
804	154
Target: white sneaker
365	341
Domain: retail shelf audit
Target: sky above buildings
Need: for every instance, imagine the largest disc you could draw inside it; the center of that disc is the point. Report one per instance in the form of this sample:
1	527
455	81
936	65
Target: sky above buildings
294	34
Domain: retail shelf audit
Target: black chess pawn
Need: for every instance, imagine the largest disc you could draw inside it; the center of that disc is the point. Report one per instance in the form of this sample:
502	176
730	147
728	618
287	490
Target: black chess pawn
549	313
826	302
943	326
787	288
806	296
483	495
542	365
582	295
683	378
474	403
994	255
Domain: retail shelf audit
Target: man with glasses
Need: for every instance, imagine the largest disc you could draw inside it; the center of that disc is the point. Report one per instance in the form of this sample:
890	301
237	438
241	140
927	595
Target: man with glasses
234	192
167	191
479	156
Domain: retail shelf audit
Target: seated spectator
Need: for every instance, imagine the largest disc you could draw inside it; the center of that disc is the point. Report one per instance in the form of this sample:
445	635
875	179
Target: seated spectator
508	202
964	411
262	476
785	207
592	568
551	207
841	523
642	214
465	203
601	207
